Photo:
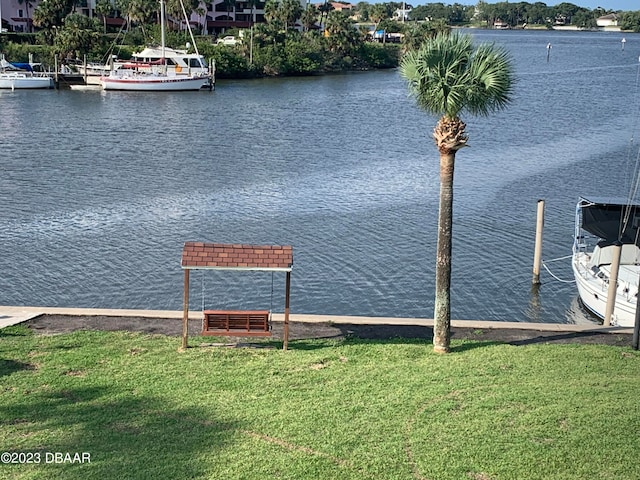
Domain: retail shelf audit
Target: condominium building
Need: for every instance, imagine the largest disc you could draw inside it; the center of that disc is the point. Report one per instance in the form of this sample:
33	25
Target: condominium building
209	18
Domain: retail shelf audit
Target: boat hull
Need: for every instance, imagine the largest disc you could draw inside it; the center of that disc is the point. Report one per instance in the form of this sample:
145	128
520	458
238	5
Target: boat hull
15	81
153	83
594	292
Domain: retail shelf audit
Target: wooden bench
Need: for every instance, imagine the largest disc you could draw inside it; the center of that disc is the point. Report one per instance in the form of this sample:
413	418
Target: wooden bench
237	323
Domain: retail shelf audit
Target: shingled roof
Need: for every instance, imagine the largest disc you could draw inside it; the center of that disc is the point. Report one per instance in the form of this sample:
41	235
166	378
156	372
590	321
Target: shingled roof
222	256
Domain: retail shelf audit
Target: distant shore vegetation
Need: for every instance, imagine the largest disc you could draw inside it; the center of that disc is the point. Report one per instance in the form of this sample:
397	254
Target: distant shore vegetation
291	41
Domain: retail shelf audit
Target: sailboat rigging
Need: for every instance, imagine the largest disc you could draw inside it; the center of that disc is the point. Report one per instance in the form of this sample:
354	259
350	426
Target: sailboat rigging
606	248
158	77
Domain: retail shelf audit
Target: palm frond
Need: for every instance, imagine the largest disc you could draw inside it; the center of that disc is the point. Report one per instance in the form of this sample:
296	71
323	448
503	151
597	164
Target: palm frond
490	78
448	75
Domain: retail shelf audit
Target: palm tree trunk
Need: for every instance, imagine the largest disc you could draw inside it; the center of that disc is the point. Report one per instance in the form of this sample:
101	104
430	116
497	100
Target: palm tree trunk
442	312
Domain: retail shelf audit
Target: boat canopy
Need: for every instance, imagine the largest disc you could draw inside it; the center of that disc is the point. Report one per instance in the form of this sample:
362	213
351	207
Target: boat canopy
23	66
604	218
15	65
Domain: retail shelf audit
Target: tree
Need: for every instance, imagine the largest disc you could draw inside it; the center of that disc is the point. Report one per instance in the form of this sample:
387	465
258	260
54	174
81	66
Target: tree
309	17
77	36
447	76
324	9
137	11
630	21
362	9
415	33
230	5
342	36
202	14
253	4
50	15
378	13
104	8
271	12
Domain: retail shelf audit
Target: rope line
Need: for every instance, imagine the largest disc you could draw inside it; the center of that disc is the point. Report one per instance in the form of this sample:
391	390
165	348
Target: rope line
555	276
559	258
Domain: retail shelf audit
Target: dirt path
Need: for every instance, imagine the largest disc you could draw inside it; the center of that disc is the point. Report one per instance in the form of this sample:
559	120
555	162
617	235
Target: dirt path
52	324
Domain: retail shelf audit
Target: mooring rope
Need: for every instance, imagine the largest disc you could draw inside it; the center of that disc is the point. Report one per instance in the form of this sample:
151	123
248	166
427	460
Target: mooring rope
544	264
559	258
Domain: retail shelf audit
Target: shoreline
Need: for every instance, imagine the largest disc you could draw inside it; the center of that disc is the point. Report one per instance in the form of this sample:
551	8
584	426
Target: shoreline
13	315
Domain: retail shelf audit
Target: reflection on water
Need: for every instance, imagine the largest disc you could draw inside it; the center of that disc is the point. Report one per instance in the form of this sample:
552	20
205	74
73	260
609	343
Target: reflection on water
99	190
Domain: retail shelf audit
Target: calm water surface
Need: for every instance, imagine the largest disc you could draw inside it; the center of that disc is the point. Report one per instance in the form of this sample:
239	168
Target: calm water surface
99	190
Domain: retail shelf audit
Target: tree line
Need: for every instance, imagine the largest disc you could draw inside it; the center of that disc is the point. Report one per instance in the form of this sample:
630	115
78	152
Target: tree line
292	41
516	14
289	42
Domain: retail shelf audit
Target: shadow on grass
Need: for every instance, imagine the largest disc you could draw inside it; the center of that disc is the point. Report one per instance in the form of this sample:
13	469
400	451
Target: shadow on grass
473	344
570	337
7	367
304	336
126	435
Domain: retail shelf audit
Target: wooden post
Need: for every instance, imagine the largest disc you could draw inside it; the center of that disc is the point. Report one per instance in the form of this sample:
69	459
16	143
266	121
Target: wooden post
185	310
613	283
537	254
285	343
636	326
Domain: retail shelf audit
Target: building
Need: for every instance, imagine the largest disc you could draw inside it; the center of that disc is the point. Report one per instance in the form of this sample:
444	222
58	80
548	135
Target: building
16	16
402	14
210	18
610	20
340	7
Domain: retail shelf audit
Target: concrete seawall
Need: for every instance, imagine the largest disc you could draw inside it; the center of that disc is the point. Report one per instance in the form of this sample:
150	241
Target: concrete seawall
13	315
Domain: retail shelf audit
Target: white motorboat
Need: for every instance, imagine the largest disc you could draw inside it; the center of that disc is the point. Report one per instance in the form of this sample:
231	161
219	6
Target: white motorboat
159	69
601	225
21	76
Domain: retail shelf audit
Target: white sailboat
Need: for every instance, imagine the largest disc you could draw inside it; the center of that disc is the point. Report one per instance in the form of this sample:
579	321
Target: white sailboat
606	244
601	226
178	62
157	77
16	76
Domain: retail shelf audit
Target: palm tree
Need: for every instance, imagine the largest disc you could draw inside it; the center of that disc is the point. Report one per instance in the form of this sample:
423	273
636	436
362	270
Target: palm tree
104	8
448	75
309	17
324	10
230	6
271	12
342	36
291	11
377	13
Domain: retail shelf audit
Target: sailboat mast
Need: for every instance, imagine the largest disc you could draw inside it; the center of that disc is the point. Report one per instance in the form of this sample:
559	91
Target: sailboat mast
161	29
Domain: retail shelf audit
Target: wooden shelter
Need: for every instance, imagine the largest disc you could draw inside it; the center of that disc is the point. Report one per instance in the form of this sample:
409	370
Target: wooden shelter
220	256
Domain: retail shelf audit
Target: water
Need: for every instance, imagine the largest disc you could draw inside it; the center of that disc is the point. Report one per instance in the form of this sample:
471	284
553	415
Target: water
99	190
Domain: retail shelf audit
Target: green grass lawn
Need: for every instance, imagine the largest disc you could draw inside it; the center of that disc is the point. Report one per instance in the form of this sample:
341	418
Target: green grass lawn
322	410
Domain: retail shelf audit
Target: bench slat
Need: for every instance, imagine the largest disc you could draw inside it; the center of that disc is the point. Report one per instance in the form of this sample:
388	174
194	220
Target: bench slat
236	323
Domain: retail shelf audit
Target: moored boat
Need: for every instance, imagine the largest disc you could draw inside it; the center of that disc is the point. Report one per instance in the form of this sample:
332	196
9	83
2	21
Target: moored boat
21	76
602	225
132	80
178	62
158	71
